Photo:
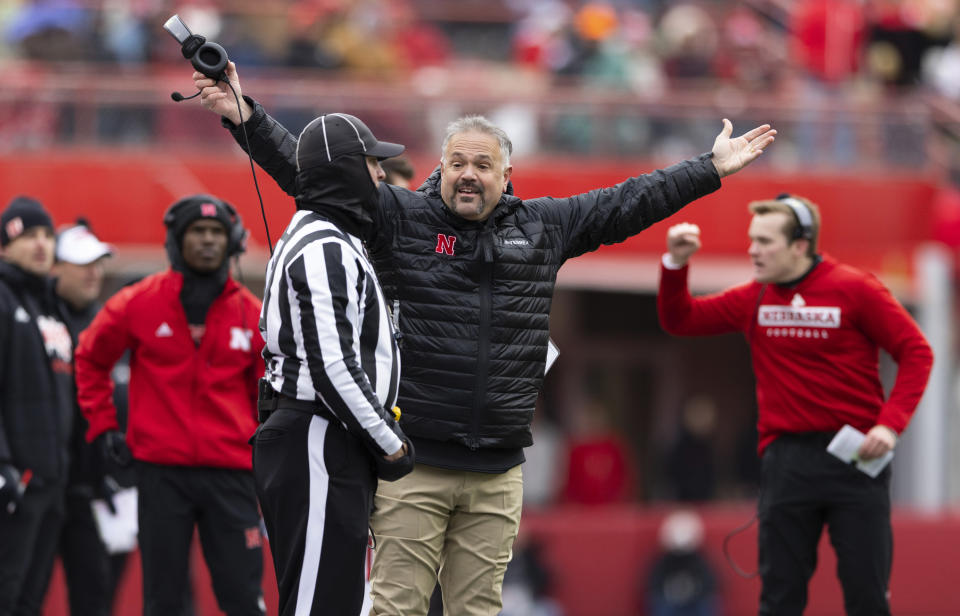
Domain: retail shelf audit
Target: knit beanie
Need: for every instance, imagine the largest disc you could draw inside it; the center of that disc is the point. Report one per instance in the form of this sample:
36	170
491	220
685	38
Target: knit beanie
20	215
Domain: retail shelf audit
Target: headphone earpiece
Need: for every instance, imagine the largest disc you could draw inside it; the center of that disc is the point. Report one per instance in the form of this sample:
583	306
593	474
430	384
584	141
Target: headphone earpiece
804	228
237	237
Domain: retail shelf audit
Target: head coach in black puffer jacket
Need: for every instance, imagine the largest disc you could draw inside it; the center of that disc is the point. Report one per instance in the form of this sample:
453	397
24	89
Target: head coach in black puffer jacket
470	270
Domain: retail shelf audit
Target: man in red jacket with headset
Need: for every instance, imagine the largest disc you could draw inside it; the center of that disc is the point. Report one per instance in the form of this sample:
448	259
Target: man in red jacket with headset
814	327
195	360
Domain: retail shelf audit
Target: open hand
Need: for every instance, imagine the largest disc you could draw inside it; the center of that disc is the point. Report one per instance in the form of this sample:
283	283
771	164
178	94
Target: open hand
732	155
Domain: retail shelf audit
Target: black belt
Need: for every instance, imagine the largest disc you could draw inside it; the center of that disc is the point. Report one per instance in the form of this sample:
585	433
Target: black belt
281	401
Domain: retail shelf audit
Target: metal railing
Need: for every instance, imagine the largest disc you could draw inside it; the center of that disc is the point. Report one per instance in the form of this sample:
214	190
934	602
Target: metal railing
43	106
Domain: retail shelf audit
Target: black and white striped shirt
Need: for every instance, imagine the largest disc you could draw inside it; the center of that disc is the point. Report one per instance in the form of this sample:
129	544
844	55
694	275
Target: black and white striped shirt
327	328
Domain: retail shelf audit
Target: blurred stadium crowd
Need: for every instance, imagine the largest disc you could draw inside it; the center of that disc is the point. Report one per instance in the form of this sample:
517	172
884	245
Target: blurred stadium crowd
642	45
619	75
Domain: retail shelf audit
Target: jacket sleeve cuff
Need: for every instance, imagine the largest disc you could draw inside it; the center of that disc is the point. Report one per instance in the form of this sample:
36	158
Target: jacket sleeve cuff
252	122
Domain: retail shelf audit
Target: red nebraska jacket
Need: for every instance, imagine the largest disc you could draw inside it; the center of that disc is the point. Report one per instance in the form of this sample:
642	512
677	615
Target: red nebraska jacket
188	405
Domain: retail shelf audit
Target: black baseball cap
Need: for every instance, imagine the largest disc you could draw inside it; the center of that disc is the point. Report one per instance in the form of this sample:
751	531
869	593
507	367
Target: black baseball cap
339	134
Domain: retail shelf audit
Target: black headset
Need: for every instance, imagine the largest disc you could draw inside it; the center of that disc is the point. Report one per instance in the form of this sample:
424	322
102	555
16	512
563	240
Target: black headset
236	234
804	228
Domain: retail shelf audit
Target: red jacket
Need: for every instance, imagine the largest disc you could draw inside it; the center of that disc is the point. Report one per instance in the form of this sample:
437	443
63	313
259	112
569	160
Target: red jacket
814	347
189	405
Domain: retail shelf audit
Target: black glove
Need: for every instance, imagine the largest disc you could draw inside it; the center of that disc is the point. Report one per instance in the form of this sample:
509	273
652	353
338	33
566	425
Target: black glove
113	447
391	471
10	491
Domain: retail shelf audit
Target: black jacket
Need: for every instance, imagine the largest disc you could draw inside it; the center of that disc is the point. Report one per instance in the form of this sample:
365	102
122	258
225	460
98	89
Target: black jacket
87	467
36	382
475	323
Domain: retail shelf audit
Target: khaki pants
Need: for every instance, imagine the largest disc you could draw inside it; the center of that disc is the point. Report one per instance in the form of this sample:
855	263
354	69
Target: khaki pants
459	523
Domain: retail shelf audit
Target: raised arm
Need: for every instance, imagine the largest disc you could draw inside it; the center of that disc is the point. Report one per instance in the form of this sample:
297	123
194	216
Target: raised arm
272	146
684	315
613	214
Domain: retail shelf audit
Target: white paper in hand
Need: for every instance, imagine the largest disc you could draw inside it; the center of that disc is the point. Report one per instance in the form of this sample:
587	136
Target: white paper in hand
845	445
118	531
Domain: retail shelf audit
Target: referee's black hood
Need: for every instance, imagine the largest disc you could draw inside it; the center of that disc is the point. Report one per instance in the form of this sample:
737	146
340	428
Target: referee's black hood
332	175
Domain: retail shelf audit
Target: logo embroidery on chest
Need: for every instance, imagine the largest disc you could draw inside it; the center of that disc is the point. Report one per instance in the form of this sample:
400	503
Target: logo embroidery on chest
56	338
240	338
445	243
164	331
799	320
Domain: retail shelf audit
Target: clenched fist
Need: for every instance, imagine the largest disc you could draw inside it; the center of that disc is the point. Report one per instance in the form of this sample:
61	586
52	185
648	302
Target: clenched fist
682	241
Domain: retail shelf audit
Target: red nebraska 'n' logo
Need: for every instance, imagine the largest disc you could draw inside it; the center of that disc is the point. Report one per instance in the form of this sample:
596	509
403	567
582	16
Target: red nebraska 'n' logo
445	243
208	210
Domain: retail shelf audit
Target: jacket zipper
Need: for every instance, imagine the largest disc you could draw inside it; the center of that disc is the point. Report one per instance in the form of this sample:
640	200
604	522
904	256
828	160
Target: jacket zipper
483	339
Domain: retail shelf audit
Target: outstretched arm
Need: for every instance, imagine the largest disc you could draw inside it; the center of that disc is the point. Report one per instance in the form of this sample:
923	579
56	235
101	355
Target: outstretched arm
732	155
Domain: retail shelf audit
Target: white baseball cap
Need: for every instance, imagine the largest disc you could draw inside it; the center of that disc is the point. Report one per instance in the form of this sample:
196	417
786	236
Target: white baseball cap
78	245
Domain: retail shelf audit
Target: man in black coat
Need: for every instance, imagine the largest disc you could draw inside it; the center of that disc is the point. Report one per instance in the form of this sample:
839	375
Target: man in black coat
470	271
36	407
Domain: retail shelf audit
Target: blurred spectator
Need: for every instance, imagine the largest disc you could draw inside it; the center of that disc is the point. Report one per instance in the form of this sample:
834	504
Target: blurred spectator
399	171
827	37
681	581
688	40
691	462
52	30
527	581
901	33
545	467
599	464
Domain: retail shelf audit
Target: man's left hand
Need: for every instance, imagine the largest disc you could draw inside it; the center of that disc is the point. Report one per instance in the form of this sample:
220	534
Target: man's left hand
879	440
732	155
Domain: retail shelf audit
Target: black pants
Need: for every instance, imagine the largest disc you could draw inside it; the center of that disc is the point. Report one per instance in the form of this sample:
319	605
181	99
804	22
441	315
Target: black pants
28	546
86	563
222	504
315	483
802	488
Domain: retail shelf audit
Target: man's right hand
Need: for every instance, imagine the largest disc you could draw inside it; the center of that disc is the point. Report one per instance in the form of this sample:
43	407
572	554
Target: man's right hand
113	447
218	98
398	464
393	457
683	240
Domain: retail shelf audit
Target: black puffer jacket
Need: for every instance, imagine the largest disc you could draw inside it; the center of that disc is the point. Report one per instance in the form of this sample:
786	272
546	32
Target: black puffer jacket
475	323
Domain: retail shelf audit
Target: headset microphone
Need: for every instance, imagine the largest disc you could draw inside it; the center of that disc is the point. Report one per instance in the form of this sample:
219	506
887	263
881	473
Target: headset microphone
177	97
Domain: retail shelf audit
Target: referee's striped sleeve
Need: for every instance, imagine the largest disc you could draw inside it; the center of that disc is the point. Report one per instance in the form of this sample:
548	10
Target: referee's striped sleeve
326	290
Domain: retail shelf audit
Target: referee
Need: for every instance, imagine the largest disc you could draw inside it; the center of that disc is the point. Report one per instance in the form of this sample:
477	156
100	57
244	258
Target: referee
332	372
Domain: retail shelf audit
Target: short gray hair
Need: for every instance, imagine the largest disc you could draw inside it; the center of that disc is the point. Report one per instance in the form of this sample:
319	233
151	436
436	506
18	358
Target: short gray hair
478	123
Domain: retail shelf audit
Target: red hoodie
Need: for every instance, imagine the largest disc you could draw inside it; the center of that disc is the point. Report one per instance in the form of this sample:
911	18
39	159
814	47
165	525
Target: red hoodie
814	346
189	405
